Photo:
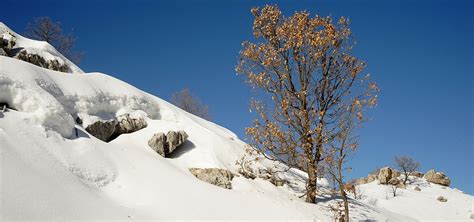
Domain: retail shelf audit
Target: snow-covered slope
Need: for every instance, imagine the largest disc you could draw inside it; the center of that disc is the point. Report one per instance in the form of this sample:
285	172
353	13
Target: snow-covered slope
49	173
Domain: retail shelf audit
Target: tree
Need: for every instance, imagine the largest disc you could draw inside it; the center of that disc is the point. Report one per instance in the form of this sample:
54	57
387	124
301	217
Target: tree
45	29
407	165
185	100
305	68
343	145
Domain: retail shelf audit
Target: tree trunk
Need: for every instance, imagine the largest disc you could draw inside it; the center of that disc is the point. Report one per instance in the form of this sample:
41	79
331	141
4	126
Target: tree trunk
311	184
346	204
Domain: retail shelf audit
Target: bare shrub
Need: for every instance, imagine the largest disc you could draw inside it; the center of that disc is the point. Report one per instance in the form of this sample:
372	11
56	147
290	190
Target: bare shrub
190	103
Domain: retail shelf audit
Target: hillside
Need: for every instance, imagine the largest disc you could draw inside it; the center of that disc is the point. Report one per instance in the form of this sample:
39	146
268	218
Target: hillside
52	168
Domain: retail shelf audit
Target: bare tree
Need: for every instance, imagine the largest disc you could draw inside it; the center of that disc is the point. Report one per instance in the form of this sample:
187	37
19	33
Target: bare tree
185	100
393	189
305	67
407	165
341	148
45	29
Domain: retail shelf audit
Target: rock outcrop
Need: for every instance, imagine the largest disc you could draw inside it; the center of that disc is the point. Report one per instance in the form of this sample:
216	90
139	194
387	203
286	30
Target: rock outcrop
385	174
41	62
416	174
166	144
437	178
111	129
8	41
219	177
102	130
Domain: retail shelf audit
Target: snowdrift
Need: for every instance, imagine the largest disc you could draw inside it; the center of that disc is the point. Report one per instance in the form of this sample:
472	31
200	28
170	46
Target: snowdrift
52	169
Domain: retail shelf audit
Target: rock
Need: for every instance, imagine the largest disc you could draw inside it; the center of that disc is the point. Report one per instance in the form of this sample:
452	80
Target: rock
437	177
127	124
3	53
416	174
157	143
102	130
109	130
7	43
371	177
442	199
417	189
215	176
394	181
472	216
175	139
385	175
41	62
166	144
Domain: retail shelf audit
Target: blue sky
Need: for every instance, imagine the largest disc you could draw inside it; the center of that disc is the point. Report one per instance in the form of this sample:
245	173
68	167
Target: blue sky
420	53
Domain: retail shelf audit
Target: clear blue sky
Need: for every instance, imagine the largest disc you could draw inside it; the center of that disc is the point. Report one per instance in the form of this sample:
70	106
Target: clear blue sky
419	52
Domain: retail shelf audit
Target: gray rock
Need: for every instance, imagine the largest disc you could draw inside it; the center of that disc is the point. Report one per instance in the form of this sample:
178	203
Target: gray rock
166	144
472	216
175	139
219	177
417	189
127	124
102	130
442	199
158	144
437	177
385	175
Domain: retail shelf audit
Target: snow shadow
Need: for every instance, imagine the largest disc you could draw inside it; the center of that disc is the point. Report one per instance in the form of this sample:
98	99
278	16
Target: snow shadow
80	133
1	114
184	148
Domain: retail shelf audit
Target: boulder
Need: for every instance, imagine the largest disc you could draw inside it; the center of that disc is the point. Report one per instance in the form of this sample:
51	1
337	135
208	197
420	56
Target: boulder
437	177
442	199
417	189
175	139
385	174
158	144
102	130
416	174
111	129
166	144
127	124
394	181
215	176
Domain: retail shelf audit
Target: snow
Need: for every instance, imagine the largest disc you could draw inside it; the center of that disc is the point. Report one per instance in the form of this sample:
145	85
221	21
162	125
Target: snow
49	173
